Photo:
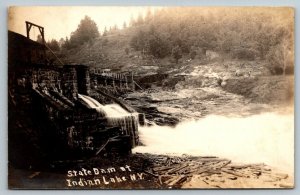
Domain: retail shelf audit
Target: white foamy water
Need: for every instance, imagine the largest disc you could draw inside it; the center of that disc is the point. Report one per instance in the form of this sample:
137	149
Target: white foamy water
116	116
115	110
264	138
110	110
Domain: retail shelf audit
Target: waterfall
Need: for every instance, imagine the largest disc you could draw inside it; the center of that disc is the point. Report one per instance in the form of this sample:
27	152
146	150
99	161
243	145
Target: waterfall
95	102
115	110
91	103
110	110
116	116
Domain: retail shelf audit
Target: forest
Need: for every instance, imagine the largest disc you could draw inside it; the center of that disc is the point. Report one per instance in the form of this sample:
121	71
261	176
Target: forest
234	33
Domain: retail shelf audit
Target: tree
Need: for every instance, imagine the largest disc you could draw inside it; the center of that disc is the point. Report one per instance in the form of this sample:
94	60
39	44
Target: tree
140	20
158	46
53	45
148	16
139	40
115	27
280	57
86	31
132	21
66	44
176	53
193	53
124	25
104	31
61	42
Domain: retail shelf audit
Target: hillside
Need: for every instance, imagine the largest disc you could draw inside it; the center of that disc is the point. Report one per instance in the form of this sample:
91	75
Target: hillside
214	52
251	78
106	52
172	37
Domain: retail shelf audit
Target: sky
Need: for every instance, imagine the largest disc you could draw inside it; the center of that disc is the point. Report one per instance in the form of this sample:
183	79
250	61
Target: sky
60	21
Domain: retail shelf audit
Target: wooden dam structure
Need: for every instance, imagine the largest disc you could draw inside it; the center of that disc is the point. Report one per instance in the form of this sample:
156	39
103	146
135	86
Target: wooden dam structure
65	111
116	83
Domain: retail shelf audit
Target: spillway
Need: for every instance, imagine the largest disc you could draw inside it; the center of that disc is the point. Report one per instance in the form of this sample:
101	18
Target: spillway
116	116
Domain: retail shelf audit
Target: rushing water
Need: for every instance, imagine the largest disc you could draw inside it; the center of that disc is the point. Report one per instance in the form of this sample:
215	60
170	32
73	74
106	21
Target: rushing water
110	110
264	138
116	116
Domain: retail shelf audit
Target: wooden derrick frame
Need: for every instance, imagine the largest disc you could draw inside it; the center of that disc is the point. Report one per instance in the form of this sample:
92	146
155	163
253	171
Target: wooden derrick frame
29	26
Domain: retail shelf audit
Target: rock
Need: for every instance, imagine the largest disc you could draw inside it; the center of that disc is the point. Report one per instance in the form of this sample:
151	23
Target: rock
232	178
223	83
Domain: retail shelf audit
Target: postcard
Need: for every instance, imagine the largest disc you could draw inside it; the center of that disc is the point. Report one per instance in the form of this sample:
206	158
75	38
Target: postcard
150	97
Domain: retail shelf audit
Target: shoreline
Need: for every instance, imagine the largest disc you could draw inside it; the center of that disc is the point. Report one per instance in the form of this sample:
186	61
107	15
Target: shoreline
162	172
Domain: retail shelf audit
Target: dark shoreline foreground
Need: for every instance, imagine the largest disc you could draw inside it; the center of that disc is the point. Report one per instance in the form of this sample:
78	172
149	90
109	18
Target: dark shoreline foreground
148	171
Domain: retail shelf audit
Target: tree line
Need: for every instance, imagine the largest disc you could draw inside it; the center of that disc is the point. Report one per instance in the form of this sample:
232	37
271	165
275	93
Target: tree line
239	33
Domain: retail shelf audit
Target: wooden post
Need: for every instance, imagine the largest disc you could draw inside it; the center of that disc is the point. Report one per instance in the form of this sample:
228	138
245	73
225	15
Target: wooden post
141	117
132	82
42	33
28	27
126	84
114	84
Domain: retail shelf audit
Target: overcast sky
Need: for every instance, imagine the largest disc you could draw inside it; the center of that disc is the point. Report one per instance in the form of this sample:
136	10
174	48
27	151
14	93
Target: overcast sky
61	21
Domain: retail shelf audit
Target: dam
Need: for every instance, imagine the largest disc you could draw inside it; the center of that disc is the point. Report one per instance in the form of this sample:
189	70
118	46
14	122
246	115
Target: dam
57	111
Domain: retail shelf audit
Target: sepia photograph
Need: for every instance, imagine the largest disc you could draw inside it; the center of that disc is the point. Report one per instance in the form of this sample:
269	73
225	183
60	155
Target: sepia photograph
150	97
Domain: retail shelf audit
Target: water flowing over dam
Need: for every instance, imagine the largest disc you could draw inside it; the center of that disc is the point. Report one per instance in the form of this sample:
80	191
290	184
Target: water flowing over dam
61	104
109	110
115	115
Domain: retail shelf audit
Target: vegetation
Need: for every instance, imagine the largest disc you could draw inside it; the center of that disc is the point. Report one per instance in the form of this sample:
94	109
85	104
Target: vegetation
240	33
281	58
235	33
176	53
53	45
86	31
